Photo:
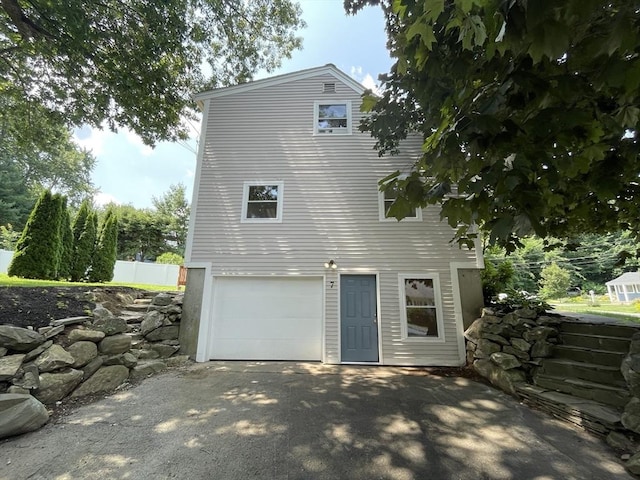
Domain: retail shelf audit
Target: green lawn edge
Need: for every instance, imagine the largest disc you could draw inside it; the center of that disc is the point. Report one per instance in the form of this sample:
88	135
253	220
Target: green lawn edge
7	281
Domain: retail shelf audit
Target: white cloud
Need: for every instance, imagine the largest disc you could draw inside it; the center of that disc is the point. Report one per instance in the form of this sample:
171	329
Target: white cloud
365	79
101	199
92	139
144	150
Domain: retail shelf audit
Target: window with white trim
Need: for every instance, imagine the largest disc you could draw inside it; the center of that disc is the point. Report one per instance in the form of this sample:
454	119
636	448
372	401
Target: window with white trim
421	310
332	117
262	202
386	199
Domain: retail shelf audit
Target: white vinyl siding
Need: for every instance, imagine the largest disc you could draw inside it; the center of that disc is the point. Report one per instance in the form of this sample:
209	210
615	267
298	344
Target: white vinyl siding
331	210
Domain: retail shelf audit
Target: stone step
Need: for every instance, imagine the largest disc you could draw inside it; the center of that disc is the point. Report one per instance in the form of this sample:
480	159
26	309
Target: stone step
606	394
580	354
593	416
137	307
600	329
597	342
592	372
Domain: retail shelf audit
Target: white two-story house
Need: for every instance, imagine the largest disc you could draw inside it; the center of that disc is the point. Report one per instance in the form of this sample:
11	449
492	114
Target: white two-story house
290	252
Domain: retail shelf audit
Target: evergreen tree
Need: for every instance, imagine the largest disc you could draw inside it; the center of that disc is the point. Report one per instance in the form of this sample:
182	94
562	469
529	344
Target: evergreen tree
59	210
84	247
35	255
64	270
104	258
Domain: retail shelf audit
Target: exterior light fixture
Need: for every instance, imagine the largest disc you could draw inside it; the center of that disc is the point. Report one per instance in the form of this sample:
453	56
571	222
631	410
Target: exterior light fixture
331	264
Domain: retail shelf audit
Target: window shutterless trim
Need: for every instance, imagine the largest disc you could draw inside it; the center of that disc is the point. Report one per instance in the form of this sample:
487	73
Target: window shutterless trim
334	131
435	278
279	201
382	211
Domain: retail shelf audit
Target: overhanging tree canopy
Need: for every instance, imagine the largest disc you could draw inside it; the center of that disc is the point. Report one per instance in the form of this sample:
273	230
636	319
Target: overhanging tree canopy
135	64
530	107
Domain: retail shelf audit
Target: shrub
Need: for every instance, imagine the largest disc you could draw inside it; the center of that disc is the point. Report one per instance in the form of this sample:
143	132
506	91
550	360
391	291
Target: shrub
170	258
555	281
36	249
518	299
104	257
496	280
84	234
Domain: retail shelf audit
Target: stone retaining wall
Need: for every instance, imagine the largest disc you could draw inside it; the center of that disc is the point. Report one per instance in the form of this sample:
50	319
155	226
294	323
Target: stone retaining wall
506	348
81	356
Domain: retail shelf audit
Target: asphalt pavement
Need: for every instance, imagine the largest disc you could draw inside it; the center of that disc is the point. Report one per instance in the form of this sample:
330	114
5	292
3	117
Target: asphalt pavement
253	420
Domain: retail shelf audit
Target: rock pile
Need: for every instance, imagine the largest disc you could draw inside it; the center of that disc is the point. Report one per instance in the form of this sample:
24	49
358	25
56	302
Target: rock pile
81	356
506	349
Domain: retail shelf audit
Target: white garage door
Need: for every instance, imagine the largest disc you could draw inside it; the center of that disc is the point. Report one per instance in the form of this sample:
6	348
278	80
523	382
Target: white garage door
267	319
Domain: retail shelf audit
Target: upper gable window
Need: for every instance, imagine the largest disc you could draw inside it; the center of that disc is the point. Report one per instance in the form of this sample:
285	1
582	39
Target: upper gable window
386	199
262	202
332	117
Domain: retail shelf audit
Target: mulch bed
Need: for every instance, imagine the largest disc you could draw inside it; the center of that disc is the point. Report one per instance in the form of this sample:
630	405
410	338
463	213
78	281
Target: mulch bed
37	306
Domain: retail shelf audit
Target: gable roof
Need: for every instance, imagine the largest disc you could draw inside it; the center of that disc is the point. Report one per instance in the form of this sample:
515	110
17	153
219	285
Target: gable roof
625	279
328	69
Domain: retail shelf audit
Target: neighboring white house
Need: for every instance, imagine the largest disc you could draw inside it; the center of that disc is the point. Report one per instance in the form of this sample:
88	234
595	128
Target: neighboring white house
625	288
290	253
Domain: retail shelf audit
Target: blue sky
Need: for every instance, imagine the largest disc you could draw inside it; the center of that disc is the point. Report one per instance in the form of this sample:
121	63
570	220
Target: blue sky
129	172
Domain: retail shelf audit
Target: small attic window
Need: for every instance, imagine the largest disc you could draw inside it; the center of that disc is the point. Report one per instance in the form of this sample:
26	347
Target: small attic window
328	88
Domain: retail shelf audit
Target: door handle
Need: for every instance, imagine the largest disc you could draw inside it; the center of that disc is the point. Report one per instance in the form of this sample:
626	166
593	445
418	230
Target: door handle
375	318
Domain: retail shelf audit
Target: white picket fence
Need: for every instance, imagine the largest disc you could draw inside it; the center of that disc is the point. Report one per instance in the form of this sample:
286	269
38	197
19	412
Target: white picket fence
125	272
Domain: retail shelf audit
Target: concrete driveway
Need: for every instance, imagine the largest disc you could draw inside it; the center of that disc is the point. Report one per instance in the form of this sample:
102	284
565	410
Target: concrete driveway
243	420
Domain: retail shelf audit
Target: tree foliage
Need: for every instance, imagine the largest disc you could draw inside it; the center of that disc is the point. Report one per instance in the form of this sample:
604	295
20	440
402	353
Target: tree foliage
141	233
170	258
555	281
530	108
173	206
36	255
135	64
496	279
104	258
84	233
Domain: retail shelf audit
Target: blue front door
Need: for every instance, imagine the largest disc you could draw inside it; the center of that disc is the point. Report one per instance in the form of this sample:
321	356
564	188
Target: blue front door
358	318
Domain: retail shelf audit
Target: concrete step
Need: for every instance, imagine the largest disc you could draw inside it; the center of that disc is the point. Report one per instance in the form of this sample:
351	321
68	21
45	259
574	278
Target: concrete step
600	329
137	307
592	372
580	354
594	416
606	394
597	342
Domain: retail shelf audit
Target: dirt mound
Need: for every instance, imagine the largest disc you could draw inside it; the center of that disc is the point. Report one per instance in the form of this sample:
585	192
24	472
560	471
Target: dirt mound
38	306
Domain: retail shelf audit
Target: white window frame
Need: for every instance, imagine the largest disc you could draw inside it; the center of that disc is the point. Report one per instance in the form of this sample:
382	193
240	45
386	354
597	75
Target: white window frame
340	131
382	214
245	202
435	278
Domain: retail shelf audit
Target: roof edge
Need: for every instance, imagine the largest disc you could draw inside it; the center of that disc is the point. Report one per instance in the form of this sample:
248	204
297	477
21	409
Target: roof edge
279	79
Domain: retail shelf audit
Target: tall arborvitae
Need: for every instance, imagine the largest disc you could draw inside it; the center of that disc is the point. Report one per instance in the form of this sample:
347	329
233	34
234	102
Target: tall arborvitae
66	258
104	258
78	268
59	211
35	255
84	248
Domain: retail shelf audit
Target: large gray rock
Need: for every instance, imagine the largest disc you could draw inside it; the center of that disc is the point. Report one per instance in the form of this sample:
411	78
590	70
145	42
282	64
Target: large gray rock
56	386
541	333
485	348
86	335
505	361
54	358
619	441
82	352
100	312
9	366
115	344
630	369
517	353
506	380
29	379
110	325
520	344
164	333
146	368
527	313
474	332
105	379
20	414
162	299
541	349
633	464
92	367
19	339
164	351
631	416
3	351
127	359
151	321
37	351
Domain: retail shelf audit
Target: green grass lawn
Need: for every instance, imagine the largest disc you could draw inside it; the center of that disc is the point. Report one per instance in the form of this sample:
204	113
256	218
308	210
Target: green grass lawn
604	308
7	281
